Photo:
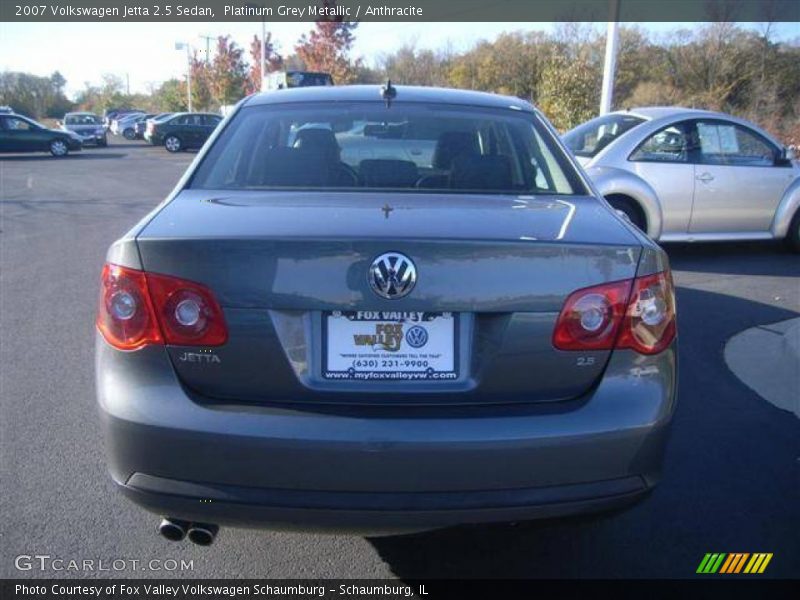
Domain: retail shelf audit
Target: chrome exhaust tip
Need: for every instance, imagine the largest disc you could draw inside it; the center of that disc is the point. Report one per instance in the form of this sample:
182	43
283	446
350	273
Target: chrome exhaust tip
173	529
203	534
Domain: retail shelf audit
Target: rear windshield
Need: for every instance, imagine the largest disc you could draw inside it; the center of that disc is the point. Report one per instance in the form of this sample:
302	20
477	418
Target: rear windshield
589	139
370	146
82	120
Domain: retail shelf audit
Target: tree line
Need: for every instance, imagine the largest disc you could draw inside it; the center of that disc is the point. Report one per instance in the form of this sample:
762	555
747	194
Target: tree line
718	66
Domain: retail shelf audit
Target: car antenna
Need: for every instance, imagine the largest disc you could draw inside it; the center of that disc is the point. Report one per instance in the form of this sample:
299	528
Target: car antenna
389	93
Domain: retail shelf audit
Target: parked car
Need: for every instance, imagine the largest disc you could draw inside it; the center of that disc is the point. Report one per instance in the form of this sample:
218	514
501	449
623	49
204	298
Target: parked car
129	128
21	134
148	130
141	125
295	340
692	175
123	125
6	110
182	131
88	126
113	113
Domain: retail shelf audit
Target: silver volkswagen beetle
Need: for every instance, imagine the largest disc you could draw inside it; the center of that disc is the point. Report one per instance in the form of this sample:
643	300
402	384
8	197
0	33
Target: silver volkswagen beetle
692	175
301	339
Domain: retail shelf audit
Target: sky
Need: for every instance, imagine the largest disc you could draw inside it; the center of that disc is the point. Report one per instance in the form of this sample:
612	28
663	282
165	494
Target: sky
144	54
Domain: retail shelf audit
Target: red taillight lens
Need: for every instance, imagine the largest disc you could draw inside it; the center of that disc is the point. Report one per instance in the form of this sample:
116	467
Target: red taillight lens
591	317
125	315
649	325
138	308
187	312
638	314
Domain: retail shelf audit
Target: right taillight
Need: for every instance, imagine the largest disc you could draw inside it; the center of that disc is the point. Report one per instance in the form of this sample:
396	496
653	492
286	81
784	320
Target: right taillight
638	314
138	308
649	324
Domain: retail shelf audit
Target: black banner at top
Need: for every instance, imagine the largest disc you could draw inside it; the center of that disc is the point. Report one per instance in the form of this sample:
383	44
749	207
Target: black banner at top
399	10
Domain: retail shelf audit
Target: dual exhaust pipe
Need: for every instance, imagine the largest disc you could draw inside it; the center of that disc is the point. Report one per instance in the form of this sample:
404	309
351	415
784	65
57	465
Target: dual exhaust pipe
202	534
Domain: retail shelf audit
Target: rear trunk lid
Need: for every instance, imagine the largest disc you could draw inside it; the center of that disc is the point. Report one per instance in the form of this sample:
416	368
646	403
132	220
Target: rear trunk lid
280	263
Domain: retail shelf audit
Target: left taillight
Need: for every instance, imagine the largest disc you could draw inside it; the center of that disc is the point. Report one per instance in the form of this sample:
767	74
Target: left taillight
125	313
138	308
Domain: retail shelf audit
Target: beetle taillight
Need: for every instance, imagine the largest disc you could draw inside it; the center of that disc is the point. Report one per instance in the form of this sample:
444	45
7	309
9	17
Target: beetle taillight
137	309
638	314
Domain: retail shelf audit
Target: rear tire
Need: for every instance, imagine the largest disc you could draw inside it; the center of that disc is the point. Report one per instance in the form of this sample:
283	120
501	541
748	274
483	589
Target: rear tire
173	143
630	209
793	237
59	148
129	134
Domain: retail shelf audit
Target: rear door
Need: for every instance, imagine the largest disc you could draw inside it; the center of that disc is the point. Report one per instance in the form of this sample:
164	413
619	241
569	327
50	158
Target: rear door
662	160
737	183
195	130
210	123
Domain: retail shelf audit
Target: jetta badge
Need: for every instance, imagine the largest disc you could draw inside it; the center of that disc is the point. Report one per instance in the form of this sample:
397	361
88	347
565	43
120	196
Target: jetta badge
392	275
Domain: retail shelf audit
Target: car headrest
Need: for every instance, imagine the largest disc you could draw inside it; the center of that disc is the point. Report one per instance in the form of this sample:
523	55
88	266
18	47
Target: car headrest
318	141
477	172
292	167
452	144
388	173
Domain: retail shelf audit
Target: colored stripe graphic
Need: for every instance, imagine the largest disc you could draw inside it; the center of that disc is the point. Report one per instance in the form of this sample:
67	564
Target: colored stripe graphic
720	562
734	563
711	562
758	563
741	562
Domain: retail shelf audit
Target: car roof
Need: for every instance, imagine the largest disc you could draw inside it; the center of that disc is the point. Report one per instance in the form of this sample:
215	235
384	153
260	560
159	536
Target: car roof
372	93
651	113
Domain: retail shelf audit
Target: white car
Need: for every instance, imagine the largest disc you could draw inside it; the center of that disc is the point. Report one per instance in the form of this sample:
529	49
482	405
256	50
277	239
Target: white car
692	175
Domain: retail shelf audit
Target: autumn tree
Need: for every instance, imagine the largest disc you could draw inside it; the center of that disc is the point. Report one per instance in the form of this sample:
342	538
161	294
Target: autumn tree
411	66
327	48
227	73
201	84
274	61
569	90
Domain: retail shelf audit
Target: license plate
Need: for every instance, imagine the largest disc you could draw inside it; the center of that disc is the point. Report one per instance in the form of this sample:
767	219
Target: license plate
389	346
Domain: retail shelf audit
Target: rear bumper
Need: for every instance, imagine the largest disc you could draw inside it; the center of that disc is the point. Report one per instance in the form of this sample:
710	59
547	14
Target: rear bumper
371	513
306	469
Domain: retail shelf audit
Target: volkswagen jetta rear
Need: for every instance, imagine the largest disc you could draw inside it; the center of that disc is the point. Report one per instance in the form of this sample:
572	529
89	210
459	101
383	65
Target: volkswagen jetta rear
375	311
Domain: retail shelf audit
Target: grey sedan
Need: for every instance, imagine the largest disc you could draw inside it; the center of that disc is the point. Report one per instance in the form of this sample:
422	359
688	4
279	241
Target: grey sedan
88	126
297	339
692	175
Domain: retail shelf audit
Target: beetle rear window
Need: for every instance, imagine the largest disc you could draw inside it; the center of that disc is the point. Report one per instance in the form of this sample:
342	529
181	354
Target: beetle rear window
589	139
368	146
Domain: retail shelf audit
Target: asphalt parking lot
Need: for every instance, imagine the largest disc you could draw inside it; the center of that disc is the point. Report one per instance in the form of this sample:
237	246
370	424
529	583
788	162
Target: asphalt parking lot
732	479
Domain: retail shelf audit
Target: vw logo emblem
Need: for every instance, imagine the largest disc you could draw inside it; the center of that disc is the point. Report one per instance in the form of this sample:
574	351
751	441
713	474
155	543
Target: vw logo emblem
417	337
392	275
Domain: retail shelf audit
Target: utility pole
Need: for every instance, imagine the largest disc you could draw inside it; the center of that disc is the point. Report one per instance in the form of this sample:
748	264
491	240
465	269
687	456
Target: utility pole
610	63
263	52
263	10
208	39
181	46
128	84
